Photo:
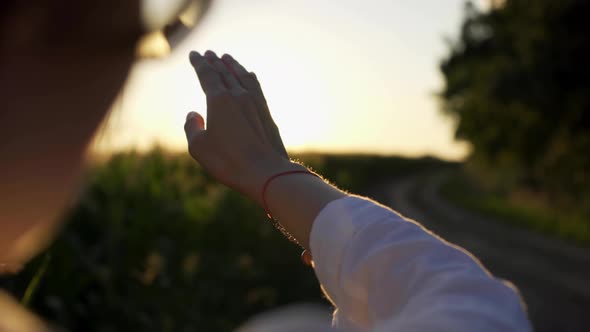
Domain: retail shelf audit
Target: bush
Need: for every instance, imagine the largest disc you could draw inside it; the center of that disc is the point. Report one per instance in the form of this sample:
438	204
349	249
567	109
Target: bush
156	245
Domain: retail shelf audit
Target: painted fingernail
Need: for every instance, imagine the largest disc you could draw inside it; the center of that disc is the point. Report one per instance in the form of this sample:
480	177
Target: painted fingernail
210	56
306	258
226	61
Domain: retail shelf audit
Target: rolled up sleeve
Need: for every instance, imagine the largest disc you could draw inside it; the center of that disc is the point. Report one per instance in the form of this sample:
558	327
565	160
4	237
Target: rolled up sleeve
386	273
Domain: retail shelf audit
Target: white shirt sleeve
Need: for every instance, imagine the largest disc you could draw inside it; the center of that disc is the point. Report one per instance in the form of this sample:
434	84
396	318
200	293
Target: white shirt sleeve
387	273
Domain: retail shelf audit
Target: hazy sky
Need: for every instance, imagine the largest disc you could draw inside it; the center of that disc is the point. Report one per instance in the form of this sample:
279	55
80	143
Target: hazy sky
339	75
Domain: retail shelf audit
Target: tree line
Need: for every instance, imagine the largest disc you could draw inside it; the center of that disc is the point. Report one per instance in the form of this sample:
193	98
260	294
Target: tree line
517	81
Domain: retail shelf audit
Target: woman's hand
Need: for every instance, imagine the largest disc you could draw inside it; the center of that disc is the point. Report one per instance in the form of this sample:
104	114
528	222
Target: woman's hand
240	145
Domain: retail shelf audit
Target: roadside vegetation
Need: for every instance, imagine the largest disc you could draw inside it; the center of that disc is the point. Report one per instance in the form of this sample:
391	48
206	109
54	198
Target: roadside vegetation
516	83
154	244
519	208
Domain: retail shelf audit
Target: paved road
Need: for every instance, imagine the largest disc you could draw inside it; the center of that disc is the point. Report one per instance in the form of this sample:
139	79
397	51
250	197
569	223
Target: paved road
553	277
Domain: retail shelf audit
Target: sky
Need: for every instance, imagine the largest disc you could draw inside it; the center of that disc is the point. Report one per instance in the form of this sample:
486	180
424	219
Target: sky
338	75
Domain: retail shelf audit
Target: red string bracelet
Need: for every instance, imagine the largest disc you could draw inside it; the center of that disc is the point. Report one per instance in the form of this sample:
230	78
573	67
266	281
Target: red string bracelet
265	186
305	255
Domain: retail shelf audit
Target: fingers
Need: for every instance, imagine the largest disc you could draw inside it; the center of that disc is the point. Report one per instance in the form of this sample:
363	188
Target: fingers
246	79
194	128
219	76
229	79
250	83
211	81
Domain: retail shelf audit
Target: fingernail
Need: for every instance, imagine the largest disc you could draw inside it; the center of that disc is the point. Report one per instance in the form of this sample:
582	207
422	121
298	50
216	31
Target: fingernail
227	57
191	115
210	57
306	258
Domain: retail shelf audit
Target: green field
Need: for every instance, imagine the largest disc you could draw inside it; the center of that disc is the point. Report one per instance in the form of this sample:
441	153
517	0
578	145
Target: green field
154	244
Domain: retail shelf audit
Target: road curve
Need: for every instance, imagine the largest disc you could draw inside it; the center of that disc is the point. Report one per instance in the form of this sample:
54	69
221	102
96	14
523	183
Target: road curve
553	276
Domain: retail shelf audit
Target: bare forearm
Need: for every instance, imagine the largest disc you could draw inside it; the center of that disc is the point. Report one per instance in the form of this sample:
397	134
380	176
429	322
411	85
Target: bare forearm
296	199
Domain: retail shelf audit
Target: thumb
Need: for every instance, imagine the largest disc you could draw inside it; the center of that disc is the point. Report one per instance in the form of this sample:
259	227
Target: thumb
194	126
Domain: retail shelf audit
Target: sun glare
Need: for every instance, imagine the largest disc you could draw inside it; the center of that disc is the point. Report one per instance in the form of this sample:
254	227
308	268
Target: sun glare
346	79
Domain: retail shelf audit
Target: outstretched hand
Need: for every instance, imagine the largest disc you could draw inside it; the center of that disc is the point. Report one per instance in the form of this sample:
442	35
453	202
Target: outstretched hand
240	145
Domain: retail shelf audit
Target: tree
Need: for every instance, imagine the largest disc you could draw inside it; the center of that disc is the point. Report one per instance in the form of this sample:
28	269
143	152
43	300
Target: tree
518	83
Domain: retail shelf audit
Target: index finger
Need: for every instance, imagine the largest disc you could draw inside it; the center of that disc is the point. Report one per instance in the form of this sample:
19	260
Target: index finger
210	79
237	67
247	79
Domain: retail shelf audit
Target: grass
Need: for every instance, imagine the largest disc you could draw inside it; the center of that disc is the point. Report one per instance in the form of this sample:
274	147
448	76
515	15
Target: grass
32	286
155	244
569	225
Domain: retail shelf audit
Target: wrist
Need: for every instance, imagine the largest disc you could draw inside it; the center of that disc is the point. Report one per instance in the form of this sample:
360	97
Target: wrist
263	170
